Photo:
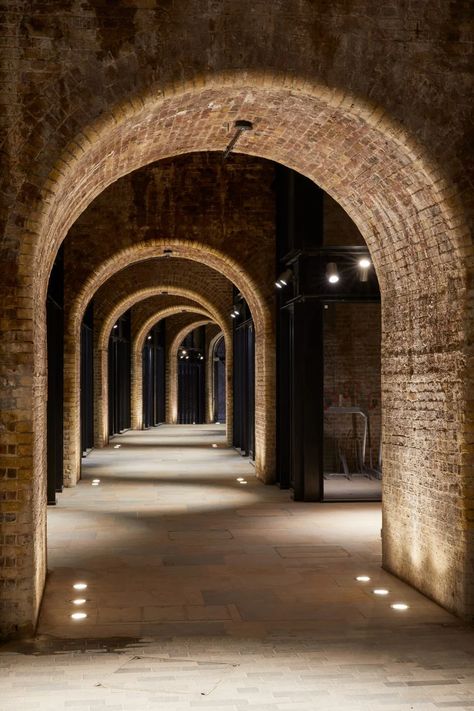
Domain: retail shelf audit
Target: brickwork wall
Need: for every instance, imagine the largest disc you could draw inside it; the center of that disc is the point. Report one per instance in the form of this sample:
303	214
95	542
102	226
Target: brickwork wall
352	360
357	96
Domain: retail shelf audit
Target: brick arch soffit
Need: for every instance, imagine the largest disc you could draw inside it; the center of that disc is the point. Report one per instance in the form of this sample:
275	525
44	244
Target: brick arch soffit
142	294
182	249
220	96
181	335
159	316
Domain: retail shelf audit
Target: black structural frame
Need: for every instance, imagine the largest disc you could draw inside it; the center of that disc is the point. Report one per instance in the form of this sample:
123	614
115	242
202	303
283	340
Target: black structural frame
300	354
191	378
55	401
119	368
243	378
154	376
219	381
87	380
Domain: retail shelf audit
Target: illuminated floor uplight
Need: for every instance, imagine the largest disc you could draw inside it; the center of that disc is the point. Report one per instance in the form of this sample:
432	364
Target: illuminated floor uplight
96	481
380	591
362	578
242	482
79	586
117	446
240	478
79	601
78	615
399	606
214	445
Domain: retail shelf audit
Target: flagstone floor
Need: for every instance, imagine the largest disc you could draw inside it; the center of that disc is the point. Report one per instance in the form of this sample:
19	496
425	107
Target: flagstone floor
207	592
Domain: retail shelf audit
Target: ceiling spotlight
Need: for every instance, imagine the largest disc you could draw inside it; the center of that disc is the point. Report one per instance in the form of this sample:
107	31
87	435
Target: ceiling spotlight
332	272
167	252
116	325
184	351
284	279
364	263
237	310
232	315
149	338
187	357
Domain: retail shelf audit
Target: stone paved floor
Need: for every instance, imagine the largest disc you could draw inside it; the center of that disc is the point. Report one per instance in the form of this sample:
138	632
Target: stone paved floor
204	593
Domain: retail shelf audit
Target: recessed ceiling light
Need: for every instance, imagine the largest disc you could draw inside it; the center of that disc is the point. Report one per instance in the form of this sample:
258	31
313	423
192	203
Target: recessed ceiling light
380	591
363	578
399	606
79	601
79	586
79	615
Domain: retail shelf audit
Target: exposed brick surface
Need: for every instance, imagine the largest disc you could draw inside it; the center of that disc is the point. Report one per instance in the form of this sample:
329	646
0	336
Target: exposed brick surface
372	102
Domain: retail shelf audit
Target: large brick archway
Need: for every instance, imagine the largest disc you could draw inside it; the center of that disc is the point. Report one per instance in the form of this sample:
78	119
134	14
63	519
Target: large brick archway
414	227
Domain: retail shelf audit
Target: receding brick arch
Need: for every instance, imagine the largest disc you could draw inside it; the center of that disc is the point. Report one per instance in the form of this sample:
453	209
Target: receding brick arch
137	363
406	209
172	368
103	338
210	374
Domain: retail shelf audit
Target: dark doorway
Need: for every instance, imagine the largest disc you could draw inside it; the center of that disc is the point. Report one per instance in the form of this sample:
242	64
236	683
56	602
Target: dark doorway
219	382
191	378
119	375
55	403
154	376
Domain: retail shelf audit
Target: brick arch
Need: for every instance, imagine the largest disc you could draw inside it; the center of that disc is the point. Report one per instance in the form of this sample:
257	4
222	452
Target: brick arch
407	210
210	373
173	369
103	338
137	363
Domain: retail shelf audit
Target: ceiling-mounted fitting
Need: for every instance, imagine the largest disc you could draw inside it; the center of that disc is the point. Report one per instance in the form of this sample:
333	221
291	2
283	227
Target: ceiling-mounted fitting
364	266
167	252
284	279
332	272
240	125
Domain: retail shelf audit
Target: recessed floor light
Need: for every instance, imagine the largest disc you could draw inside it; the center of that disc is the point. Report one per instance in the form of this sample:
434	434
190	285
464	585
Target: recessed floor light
399	606
79	586
79	601
96	481
117	446
240	478
78	615
380	591
242	482
363	578
214	445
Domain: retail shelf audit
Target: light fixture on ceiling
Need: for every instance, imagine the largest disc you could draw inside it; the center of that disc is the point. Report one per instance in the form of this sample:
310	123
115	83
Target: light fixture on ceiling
332	273
241	125
364	264
167	252
284	279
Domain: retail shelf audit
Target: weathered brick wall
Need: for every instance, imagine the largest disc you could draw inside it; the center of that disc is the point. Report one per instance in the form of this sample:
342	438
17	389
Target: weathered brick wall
352	358
357	96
